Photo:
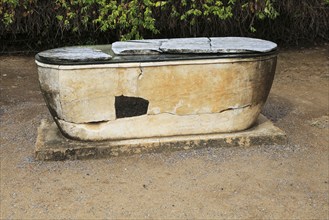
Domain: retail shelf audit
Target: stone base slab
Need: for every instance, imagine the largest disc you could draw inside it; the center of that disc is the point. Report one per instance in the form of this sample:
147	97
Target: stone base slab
52	145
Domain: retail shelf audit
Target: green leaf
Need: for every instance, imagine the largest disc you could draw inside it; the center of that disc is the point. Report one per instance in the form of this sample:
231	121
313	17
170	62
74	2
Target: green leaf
59	17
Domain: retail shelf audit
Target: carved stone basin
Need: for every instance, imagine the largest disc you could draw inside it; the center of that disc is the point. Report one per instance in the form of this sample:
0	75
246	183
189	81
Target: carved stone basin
157	88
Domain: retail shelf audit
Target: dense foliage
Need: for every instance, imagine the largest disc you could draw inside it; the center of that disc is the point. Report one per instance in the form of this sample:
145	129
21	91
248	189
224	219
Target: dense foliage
39	23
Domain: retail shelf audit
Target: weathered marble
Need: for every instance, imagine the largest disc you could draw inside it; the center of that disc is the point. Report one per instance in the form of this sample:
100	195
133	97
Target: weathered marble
240	45
201	45
163	125
87	93
186	45
171	98
75	54
137	47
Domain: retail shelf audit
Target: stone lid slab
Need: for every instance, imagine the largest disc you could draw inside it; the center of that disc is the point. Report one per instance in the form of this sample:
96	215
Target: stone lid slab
74	54
240	45
186	45
200	45
159	50
141	47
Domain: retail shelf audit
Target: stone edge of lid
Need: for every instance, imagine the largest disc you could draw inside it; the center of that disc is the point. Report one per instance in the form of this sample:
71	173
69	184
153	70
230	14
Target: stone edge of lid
57	60
74	54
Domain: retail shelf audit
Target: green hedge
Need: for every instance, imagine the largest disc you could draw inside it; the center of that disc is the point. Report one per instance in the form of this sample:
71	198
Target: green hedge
37	24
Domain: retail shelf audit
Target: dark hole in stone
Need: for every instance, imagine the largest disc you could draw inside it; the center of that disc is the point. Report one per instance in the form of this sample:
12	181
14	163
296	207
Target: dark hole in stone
130	106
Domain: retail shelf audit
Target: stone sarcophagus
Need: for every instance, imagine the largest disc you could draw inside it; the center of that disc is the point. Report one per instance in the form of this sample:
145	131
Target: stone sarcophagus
157	88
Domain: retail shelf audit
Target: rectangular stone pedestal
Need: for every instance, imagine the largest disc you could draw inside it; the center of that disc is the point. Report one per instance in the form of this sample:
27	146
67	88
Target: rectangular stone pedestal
52	145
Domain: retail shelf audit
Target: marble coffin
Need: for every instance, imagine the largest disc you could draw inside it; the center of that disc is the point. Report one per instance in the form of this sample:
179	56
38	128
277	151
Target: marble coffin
157	88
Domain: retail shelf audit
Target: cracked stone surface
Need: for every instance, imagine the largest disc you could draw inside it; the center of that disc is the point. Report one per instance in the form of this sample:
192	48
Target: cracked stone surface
240	45
137	47
157	50
75	54
201	45
186	45
183	96
163	125
221	95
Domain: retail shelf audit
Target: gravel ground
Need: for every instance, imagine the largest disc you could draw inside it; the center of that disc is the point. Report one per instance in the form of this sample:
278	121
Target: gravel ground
272	182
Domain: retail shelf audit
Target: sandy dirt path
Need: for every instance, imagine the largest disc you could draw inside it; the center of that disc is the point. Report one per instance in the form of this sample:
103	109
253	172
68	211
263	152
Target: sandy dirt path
273	182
